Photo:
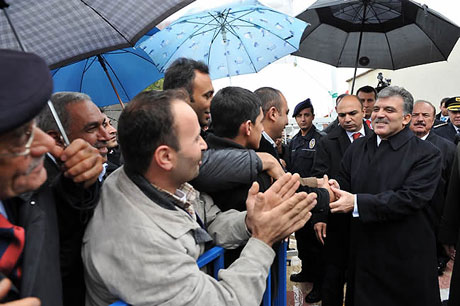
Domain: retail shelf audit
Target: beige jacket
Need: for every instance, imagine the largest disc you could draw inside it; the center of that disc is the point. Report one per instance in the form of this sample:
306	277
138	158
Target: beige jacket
144	254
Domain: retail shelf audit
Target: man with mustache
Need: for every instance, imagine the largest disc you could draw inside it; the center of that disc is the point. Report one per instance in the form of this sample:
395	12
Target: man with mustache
30	236
387	181
423	117
81	119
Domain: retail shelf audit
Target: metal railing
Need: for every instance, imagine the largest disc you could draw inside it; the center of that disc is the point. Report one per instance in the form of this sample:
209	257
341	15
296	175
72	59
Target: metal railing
216	256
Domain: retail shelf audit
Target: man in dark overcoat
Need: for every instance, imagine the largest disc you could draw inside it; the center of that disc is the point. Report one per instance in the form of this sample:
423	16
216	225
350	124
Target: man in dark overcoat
334	233
449	231
390	178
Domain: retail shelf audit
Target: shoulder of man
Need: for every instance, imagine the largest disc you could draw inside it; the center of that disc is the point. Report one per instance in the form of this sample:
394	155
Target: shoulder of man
441	125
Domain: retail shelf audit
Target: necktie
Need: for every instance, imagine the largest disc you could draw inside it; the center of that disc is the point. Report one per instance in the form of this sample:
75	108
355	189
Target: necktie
356	135
368	122
12	244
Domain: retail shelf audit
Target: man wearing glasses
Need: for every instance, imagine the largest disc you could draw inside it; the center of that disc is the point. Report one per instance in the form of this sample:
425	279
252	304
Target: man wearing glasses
29	241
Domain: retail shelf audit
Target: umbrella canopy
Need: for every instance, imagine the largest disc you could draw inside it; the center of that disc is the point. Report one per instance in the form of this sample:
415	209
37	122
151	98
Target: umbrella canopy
109	77
387	34
63	32
230	40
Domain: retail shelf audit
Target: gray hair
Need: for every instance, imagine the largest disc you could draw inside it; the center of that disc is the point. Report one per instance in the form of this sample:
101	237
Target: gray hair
393	91
429	103
60	101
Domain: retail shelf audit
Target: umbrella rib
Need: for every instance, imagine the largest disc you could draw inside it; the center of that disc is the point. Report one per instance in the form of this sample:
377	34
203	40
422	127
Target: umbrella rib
107	21
341	51
436	46
389	50
274	34
231	30
82	75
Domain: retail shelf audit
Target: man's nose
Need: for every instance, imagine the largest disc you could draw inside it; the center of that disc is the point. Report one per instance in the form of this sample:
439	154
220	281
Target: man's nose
103	134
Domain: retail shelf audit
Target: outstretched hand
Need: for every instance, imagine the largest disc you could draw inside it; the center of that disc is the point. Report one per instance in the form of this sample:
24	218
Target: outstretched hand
345	202
275	214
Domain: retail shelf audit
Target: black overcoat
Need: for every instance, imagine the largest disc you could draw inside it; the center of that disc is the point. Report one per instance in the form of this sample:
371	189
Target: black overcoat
392	249
449	232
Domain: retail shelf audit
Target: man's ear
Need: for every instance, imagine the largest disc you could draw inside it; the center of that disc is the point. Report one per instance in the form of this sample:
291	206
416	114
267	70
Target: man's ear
406	119
245	128
271	114
165	157
57	137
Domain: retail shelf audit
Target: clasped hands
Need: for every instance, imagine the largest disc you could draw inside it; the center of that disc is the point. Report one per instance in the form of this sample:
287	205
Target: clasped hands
339	201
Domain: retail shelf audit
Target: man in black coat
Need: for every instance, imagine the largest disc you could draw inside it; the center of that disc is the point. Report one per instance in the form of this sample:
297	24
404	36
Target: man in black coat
421	124
329	155
449	231
390	178
451	130
25	88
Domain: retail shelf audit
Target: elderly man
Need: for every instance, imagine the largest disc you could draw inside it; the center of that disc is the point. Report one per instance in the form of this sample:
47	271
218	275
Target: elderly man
30	257
329	155
160	221
451	129
423	116
390	178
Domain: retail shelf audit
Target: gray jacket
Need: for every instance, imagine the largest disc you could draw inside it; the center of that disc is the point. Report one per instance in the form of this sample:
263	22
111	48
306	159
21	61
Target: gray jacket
145	254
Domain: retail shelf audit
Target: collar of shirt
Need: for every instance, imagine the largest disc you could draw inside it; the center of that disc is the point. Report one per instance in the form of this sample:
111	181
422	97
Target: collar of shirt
379	140
269	139
362	131
425	137
104	170
182	197
443	118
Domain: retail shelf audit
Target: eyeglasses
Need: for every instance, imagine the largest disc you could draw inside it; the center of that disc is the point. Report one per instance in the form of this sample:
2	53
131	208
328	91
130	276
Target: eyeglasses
23	151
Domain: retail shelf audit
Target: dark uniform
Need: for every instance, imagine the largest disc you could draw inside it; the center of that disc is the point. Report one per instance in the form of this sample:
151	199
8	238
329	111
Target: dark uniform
301	155
447	129
302	151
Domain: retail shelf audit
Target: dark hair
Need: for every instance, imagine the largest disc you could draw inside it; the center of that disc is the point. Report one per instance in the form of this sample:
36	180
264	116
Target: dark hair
145	124
269	97
368	89
339	98
60	100
443	101
230	107
181	74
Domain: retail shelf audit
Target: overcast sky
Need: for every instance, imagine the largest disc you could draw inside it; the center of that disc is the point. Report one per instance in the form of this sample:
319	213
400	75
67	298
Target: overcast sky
300	78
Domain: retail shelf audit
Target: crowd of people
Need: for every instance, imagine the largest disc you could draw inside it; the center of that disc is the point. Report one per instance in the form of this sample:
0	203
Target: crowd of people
91	214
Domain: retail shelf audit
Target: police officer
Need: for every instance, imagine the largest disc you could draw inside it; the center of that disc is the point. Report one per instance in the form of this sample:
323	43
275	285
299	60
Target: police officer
301	154
451	130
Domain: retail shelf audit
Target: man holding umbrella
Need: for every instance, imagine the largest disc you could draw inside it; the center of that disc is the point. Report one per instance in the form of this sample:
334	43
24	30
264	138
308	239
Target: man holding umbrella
30	239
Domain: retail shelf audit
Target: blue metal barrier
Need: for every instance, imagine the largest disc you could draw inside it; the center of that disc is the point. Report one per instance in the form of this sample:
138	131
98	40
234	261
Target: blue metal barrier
216	254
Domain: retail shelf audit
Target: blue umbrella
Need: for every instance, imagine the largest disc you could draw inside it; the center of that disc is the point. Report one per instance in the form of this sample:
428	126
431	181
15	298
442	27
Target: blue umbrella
108	78
230	40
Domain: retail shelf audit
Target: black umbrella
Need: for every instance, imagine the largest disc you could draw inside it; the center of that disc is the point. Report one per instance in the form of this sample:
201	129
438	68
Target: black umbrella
387	34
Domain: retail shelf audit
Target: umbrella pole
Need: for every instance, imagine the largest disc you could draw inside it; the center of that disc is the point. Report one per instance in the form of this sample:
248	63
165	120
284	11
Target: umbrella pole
359	45
101	61
3	6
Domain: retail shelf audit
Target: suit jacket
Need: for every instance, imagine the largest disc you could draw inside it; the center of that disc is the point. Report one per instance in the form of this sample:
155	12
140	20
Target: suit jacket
266	146
393	248
152	261
449	232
